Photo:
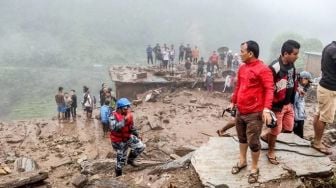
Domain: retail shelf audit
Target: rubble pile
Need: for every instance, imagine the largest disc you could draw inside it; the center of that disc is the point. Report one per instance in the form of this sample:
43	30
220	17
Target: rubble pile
175	124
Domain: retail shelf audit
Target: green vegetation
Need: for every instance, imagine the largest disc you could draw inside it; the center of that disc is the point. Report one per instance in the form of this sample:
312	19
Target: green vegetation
29	92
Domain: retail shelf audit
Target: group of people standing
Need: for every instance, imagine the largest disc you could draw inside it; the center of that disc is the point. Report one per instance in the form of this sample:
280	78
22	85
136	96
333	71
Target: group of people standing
116	118
66	104
166	56
274	95
162	55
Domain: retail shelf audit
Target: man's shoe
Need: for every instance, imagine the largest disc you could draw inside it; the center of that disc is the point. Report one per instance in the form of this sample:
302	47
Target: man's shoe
118	172
132	163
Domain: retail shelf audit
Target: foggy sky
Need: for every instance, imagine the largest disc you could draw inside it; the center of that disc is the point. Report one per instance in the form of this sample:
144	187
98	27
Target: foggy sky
60	26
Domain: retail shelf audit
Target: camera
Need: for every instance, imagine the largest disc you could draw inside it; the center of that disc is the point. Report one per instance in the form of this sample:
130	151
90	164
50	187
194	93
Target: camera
273	123
232	111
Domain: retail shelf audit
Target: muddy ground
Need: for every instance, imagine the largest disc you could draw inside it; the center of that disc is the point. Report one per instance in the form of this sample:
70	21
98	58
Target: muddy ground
172	123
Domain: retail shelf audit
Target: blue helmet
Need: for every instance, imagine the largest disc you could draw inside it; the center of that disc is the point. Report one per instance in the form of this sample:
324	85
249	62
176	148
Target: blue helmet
123	102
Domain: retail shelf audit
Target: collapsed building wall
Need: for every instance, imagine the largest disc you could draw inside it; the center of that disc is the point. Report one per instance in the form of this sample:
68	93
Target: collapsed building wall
131	89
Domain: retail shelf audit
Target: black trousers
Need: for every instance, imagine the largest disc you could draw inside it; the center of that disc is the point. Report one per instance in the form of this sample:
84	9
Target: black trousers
298	128
73	112
150	58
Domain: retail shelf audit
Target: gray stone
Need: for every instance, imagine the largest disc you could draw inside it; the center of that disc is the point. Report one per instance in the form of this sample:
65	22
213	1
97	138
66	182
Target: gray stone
105	166
155	123
81	159
80	180
141	75
62	162
193	100
213	163
173	165
14	139
137	102
24	164
184	150
187	93
167	100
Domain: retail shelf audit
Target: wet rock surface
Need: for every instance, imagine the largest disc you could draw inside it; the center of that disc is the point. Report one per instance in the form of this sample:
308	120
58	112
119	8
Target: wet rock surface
214	160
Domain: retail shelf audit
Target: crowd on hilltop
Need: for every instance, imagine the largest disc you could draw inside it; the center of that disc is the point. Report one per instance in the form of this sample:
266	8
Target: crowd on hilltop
164	56
225	60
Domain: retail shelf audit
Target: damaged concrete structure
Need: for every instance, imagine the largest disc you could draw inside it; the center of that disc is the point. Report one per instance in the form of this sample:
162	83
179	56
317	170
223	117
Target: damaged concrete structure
129	81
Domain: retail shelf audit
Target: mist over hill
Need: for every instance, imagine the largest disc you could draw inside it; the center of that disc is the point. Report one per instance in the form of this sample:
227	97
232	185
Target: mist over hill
46	43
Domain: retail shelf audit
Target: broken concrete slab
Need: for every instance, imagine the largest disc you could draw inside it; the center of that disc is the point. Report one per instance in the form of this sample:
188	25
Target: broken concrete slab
213	163
21	179
61	163
106	182
193	100
184	150
141	75
287	144
25	164
137	102
154	123
14	139
178	163
292	139
105	166
79	181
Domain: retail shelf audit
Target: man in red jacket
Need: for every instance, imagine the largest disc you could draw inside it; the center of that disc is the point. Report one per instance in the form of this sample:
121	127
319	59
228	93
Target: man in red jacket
253	97
123	135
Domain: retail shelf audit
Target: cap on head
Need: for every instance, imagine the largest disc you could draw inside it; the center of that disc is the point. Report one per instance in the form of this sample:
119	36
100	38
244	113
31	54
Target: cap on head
306	75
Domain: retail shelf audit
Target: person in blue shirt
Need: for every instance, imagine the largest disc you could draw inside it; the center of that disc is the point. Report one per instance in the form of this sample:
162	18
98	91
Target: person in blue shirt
105	112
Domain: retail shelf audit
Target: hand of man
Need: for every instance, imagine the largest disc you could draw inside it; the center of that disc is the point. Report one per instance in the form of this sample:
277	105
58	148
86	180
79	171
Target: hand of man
266	116
231	106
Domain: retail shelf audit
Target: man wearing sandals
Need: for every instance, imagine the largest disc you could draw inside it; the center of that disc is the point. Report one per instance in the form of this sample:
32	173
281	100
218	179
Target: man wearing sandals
253	97
326	96
285	83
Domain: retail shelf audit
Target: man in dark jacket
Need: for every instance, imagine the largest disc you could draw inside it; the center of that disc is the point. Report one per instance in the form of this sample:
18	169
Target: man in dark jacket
73	104
326	96
285	82
149	51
